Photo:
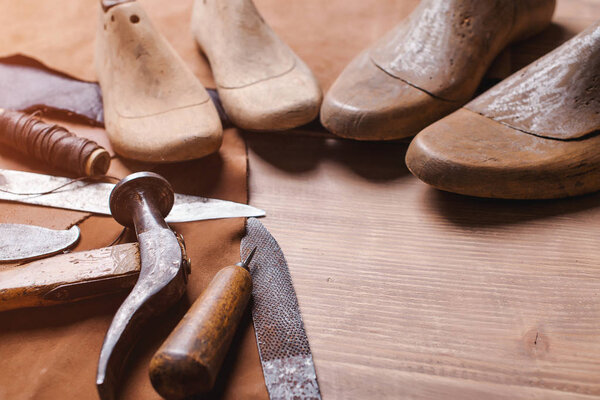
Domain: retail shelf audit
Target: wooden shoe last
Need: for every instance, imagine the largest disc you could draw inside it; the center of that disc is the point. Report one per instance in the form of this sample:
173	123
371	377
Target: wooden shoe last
155	109
426	67
533	136
262	83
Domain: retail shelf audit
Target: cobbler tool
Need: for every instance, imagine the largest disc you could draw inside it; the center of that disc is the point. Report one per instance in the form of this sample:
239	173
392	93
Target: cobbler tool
76	276
189	360
522	139
262	83
93	197
283	347
142	201
52	144
287	364
155	108
19	242
429	65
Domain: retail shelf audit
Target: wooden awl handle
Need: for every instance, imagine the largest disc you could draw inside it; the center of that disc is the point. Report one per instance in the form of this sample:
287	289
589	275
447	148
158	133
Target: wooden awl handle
189	360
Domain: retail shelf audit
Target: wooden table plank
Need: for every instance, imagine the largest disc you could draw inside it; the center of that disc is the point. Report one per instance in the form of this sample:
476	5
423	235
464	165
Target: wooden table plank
410	292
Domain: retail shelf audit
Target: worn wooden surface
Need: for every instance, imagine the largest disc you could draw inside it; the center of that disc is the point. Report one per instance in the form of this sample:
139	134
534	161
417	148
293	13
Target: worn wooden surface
51	280
408	292
262	83
423	70
189	360
148	91
522	139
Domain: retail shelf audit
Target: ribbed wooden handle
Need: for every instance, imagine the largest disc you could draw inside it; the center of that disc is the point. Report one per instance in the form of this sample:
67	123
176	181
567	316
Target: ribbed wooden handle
189	360
52	144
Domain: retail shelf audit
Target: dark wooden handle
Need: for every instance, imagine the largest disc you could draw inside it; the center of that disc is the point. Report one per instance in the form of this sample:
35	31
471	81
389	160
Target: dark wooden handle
189	360
52	144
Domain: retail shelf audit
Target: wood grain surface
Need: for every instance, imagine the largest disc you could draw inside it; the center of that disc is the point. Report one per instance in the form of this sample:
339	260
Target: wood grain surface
408	292
427	66
262	83
69	277
147	90
189	360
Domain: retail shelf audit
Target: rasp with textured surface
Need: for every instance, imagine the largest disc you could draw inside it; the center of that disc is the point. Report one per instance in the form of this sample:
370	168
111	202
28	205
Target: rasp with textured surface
93	197
282	343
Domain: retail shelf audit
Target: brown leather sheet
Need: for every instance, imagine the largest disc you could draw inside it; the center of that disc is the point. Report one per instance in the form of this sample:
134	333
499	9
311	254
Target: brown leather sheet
28	85
52	353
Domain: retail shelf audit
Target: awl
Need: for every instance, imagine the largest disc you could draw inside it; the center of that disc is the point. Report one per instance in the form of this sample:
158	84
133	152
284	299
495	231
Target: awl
189	360
93	197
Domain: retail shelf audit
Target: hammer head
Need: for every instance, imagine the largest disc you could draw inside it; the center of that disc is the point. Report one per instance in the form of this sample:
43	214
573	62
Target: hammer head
133	189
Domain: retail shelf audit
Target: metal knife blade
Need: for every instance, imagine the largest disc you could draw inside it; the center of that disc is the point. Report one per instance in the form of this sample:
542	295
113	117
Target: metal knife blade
93	197
283	347
26	242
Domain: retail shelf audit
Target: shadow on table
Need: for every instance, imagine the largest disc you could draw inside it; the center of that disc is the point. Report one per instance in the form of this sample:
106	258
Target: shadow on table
295	153
476	212
302	149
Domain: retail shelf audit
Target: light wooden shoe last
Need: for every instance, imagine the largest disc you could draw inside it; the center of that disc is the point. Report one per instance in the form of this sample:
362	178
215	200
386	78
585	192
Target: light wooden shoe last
426	67
533	136
155	109
262	83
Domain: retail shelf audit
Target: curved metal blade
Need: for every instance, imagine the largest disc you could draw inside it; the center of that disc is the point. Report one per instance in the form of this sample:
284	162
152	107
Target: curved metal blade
93	197
27	242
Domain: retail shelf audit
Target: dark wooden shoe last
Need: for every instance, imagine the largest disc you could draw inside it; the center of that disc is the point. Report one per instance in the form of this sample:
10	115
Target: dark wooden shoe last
426	67
533	136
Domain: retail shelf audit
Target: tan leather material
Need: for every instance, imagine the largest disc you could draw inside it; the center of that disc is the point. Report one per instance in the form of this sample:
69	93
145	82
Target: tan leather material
327	35
155	109
52	353
263	84
557	96
470	154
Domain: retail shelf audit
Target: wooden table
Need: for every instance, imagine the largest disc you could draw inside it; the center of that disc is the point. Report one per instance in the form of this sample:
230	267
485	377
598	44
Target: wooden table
408	292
